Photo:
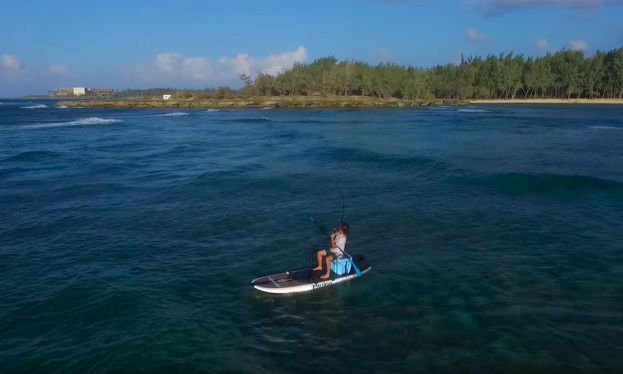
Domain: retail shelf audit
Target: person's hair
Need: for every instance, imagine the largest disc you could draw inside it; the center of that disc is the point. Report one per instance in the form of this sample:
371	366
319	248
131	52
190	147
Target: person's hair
345	228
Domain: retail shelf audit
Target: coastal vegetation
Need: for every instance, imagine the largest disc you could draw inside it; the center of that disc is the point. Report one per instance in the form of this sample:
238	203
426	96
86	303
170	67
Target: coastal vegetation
566	74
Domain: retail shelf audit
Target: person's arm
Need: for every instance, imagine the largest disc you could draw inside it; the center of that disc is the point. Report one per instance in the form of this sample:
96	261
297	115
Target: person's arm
333	242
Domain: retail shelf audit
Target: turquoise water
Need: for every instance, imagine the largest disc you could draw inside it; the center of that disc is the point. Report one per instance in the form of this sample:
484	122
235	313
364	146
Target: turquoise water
128	239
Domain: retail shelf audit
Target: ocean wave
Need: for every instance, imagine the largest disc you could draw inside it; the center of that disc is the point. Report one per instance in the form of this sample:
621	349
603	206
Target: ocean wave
38	106
472	110
248	120
543	183
31	156
213	110
62	107
90	189
606	128
266	108
172	114
311	121
82	121
384	160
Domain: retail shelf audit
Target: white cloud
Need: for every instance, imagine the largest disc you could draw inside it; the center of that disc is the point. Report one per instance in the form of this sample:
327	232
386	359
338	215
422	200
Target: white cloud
578	45
241	64
275	64
504	6
58	69
474	35
10	62
166	61
172	68
197	67
542	44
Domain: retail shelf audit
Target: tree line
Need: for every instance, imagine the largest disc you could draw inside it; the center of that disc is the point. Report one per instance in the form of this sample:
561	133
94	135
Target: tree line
564	74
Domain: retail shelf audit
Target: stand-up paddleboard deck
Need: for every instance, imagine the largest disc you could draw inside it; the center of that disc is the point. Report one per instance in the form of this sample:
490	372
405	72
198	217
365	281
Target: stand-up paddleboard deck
305	280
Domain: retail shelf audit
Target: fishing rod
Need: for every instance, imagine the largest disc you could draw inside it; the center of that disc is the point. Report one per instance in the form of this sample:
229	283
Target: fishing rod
322	230
342	219
350	258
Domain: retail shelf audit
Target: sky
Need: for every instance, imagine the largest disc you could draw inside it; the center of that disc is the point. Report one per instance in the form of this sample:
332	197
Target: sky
46	44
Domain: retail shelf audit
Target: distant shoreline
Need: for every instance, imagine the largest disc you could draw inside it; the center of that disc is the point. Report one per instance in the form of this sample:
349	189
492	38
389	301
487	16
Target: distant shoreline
303	102
549	101
262	102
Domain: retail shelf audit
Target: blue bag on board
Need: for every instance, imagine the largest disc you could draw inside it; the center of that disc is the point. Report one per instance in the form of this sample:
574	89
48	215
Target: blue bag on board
341	266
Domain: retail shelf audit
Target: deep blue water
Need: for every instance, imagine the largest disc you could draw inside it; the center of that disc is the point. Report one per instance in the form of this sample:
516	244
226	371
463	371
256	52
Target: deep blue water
128	238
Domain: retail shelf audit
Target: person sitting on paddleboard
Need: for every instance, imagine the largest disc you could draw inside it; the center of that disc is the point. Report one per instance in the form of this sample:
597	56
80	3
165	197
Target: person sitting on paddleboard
336	249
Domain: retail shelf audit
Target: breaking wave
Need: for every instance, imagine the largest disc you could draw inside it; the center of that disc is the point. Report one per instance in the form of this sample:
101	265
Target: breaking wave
213	110
82	121
471	110
606	128
172	114
38	106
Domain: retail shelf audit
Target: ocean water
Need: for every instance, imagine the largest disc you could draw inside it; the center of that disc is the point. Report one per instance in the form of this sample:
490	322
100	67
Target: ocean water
128	239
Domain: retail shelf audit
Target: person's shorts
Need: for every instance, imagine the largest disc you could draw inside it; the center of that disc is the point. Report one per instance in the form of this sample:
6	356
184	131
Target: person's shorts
335	253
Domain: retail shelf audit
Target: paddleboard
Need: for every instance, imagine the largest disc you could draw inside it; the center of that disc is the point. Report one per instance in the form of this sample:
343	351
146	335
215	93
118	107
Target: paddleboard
305	279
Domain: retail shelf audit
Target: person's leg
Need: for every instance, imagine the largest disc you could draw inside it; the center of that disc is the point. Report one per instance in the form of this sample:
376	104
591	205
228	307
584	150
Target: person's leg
319	255
327	260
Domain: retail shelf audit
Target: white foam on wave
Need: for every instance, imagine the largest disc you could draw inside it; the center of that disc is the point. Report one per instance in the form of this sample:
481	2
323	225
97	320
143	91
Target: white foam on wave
79	122
62	107
471	110
38	106
266	108
172	114
213	110
606	128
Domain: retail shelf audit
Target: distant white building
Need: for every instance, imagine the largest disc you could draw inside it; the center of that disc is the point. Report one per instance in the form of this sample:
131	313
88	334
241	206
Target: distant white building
166	97
83	91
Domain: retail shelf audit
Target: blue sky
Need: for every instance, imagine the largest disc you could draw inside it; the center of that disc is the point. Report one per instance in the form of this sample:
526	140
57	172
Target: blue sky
196	44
